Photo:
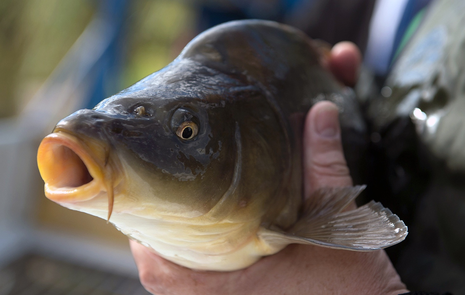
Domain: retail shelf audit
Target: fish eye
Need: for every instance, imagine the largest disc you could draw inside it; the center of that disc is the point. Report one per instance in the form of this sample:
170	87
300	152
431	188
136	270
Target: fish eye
185	124
187	130
140	111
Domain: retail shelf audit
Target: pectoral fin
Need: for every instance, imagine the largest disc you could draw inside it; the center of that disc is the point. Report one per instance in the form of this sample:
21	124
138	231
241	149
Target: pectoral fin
369	227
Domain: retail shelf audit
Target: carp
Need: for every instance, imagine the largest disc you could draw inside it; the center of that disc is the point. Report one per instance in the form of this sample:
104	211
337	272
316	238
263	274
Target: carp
202	160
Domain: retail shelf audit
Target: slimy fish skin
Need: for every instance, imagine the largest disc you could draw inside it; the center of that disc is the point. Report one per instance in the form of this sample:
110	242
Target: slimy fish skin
202	160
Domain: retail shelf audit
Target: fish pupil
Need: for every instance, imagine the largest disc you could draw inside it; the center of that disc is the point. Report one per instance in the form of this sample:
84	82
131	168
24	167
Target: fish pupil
140	111
187	133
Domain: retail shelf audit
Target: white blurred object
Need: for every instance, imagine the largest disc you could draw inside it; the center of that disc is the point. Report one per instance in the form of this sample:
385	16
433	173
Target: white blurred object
381	36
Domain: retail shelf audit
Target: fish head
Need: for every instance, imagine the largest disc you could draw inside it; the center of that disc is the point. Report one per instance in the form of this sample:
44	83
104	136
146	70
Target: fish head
158	154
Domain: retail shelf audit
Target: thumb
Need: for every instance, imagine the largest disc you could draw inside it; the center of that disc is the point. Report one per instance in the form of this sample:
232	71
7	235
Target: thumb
324	162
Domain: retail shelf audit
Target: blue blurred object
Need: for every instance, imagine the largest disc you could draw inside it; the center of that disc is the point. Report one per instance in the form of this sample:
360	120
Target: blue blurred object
211	15
412	8
109	66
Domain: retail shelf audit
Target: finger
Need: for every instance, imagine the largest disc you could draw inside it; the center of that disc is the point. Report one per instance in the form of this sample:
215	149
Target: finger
344	62
146	265
324	162
160	276
155	273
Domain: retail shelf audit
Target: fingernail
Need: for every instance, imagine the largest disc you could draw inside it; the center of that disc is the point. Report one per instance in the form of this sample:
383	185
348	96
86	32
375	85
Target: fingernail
327	123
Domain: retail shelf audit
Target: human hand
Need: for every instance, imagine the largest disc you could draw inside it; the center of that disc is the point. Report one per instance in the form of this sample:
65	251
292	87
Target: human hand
297	269
344	62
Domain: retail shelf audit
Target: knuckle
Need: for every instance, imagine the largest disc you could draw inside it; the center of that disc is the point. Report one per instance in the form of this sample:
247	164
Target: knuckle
331	170
328	169
331	163
146	278
150	281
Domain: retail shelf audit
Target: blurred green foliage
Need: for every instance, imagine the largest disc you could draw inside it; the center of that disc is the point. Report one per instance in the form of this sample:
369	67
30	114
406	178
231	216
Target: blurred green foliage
36	34
158	31
34	37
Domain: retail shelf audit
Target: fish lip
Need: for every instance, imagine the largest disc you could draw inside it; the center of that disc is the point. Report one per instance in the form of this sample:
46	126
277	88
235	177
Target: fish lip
48	152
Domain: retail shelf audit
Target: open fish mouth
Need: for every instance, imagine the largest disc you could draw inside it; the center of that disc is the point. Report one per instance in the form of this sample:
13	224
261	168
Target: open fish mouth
74	170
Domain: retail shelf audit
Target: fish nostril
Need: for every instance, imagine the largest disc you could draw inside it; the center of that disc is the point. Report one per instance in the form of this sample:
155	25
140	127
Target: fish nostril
117	128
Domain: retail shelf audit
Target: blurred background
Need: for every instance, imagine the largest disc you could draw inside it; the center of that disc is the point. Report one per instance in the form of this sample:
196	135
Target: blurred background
59	56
